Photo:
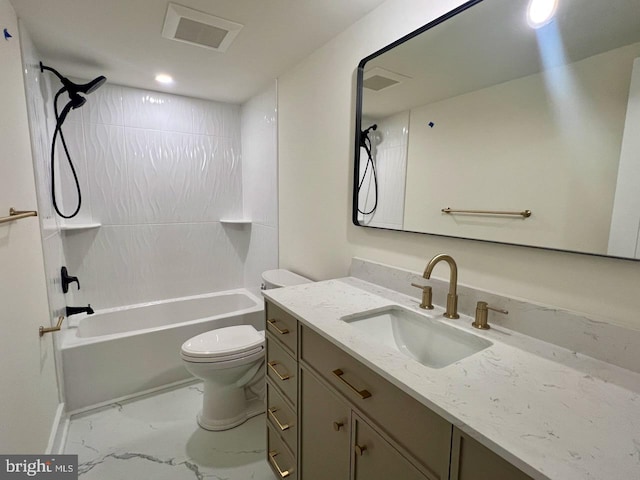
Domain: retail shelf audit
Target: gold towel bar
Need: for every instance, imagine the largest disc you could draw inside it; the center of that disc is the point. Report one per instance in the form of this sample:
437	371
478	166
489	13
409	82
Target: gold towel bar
523	214
17	215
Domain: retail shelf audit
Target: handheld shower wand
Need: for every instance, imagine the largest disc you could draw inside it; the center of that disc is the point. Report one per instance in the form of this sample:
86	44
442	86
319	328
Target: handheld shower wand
75	101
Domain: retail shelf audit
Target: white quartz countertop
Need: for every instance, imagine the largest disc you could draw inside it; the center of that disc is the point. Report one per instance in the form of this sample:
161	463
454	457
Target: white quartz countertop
553	413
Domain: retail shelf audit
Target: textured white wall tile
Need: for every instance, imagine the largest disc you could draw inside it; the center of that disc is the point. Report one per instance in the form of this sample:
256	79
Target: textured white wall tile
159	185
108	175
103	260
157	111
262	254
67	194
104	106
216	119
259	158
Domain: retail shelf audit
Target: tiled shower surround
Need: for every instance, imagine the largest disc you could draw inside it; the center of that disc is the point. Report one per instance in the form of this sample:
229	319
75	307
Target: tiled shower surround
159	172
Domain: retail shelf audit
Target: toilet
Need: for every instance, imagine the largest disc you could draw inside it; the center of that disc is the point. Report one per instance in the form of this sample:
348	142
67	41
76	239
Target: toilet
230	361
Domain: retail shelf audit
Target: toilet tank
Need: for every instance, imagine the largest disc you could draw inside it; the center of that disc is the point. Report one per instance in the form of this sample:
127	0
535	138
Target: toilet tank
281	278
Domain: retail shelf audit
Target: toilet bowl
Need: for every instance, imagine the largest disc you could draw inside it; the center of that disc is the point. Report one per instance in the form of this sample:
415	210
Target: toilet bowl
230	361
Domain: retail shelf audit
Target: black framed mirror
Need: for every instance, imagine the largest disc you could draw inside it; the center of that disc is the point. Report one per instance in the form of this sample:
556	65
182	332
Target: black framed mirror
484	125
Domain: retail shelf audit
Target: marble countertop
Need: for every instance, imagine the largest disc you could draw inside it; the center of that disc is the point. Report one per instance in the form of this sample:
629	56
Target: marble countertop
555	414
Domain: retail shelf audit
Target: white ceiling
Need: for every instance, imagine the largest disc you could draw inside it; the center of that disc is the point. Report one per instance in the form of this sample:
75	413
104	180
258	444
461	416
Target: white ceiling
122	40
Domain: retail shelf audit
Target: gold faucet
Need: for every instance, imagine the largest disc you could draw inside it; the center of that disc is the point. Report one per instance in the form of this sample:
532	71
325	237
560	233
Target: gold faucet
452	297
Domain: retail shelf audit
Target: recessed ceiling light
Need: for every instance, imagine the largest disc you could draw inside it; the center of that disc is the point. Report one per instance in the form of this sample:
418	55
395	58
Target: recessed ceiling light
541	12
164	78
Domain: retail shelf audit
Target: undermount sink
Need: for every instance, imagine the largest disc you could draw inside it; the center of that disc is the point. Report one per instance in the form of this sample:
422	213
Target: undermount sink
424	339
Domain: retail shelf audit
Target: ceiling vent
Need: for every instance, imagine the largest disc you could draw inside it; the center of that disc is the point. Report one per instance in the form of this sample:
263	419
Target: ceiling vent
378	78
197	28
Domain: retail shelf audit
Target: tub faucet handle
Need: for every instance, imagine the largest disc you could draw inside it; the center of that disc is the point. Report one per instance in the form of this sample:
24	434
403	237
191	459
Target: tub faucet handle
67	279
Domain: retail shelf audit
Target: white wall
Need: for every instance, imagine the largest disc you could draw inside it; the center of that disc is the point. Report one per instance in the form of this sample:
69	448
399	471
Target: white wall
532	149
28	388
159	172
259	121
317	239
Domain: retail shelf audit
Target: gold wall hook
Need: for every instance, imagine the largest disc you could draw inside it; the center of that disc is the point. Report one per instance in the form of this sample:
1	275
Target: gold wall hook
44	330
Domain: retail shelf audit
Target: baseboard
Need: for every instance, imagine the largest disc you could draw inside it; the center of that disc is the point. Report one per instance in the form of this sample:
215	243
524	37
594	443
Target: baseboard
59	430
132	396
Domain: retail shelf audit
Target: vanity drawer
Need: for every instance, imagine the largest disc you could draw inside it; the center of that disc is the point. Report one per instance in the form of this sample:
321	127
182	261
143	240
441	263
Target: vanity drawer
283	327
424	434
282	369
281	460
281	417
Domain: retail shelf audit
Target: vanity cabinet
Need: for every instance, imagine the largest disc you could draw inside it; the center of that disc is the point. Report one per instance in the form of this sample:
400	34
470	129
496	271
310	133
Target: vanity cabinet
470	460
424	435
331	417
282	392
325	451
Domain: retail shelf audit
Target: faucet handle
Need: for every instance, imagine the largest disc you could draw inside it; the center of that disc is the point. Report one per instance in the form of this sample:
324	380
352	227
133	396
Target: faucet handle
482	315
426	296
67	279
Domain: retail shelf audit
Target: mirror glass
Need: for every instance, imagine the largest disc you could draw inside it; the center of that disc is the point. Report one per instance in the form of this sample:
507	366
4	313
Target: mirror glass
488	128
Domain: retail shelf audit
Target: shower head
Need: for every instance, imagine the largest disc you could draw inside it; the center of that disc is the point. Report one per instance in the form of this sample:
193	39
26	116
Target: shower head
75	88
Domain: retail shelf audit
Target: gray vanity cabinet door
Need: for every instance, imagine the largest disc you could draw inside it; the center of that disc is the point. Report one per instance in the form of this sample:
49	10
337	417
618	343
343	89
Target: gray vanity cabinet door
376	459
325	428
471	460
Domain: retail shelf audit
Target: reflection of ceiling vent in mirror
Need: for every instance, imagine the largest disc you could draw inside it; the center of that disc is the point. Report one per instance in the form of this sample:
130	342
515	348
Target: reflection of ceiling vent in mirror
378	78
378	82
197	28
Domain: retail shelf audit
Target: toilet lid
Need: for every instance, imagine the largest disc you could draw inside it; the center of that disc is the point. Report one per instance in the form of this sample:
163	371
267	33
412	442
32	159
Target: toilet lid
222	342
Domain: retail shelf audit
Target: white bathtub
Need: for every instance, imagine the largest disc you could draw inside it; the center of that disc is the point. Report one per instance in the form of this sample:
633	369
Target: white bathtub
127	350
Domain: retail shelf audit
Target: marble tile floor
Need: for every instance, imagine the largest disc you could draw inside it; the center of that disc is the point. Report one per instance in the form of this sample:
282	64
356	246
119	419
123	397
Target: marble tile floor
156	436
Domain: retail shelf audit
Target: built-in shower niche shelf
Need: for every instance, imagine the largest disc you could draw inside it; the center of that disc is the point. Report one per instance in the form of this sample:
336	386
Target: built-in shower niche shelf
236	221
75	227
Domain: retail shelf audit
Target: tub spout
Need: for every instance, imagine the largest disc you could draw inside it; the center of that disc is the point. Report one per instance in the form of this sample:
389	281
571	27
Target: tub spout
73	310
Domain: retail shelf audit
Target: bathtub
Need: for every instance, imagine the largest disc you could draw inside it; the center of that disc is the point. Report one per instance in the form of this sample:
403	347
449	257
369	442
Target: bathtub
123	351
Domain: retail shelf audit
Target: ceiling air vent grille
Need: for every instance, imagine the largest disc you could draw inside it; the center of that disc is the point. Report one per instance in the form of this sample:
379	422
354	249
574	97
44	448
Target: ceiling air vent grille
197	28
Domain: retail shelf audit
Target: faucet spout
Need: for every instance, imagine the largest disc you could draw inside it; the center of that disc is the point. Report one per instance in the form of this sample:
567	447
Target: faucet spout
75	310
452	297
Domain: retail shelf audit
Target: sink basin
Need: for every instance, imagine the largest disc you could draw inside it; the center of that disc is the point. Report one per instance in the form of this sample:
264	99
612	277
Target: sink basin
424	339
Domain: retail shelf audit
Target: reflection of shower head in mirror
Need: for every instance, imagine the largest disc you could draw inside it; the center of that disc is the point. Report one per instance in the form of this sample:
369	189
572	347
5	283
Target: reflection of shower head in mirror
364	134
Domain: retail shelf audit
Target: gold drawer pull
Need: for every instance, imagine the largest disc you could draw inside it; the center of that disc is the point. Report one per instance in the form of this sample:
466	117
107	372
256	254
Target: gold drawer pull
361	393
272	322
272	458
272	366
360	449
272	414
337	426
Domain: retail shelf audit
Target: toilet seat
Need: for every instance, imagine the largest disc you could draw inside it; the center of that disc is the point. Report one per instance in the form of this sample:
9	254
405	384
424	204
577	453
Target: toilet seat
224	345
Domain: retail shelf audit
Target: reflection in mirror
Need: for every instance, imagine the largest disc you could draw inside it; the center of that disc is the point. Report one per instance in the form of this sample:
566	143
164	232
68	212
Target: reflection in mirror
484	113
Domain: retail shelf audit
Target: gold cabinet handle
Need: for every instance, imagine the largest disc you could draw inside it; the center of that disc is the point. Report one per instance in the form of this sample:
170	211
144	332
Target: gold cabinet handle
283	331
361	393
337	426
360	449
272	414
272	458
272	366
